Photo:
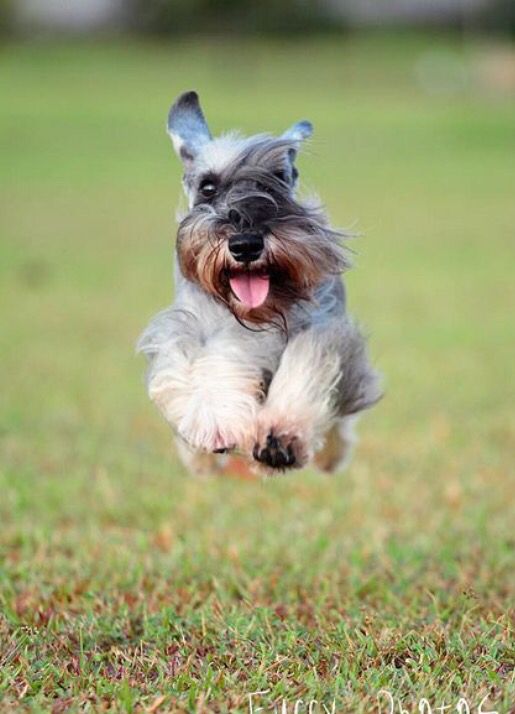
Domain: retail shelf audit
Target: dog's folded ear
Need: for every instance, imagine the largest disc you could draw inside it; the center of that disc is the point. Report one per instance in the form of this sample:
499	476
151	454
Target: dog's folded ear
299	131
187	127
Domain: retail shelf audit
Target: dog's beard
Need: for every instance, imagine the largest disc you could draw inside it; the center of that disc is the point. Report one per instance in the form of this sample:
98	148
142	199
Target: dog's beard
300	252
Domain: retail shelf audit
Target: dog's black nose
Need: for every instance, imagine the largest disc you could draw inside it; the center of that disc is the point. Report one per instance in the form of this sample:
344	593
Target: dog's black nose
246	247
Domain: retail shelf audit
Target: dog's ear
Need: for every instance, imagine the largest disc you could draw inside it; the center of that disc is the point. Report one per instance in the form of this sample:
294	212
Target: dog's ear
297	133
187	127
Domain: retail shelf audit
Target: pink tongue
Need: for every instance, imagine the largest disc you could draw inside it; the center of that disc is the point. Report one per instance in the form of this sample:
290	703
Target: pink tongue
250	289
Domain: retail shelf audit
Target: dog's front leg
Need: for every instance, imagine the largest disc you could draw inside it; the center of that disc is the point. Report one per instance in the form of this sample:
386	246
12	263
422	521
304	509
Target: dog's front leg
324	374
207	390
212	401
299	407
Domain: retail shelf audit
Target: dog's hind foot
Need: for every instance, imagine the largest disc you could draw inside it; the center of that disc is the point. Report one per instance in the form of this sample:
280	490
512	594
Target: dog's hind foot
339	441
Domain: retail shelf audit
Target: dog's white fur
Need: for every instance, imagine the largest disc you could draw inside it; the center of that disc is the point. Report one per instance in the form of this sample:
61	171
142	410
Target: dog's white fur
206	372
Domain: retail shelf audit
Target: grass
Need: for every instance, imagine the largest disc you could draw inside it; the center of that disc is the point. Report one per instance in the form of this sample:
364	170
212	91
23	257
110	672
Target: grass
127	586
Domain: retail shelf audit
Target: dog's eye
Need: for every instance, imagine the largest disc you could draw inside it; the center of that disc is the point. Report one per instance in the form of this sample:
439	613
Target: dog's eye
281	176
207	188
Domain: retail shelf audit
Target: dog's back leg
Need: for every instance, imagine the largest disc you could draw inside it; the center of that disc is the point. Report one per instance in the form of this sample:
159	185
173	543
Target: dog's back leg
338	446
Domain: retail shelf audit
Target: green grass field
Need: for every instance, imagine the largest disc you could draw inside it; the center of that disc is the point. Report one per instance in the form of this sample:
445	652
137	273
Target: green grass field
125	585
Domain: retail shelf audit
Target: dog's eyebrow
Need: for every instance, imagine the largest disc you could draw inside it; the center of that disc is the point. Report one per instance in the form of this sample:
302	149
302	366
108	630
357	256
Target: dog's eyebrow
208	176
263	152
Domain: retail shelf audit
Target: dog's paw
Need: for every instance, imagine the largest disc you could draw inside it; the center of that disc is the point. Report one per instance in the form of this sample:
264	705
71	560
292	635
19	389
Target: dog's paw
219	426
222	446
275	453
211	434
278	450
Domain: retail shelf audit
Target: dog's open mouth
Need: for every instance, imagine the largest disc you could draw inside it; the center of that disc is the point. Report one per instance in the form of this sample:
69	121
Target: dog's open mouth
250	287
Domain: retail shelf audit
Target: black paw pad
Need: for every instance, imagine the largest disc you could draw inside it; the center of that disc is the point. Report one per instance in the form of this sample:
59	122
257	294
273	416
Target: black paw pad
275	454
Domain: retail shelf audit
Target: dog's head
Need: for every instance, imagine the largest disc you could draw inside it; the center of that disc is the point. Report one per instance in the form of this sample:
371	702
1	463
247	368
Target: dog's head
246	239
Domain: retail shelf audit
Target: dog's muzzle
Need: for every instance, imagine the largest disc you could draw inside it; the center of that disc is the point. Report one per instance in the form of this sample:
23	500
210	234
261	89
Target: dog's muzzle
246	247
249	285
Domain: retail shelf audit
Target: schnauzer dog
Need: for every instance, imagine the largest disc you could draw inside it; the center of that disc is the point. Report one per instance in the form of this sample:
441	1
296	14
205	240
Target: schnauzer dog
257	354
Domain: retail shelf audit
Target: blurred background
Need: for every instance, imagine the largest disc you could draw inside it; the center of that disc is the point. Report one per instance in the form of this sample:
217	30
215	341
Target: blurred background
413	103
176	17
413	106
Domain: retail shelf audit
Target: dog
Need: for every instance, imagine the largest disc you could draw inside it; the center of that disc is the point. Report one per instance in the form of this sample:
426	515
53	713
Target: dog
257	355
